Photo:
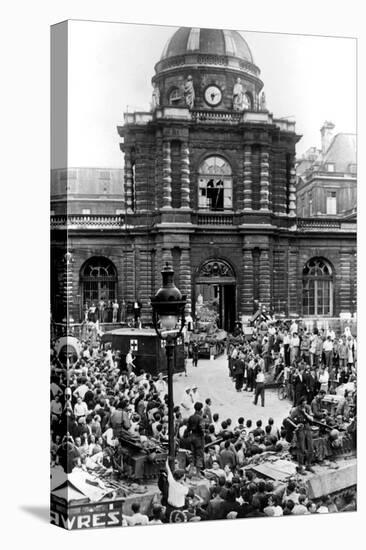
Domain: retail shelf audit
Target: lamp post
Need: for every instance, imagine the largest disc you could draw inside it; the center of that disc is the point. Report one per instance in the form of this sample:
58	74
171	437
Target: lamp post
168	318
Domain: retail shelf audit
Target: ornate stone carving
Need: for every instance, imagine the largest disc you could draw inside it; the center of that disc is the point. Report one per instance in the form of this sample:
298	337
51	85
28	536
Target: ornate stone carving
262	102
155	99
167	175
247	177
264	181
216	268
185	177
238	96
189	94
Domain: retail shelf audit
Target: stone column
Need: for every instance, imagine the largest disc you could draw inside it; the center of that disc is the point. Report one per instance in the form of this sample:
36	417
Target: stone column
344	270
128	181
247	177
185	180
294	300
167	176
67	283
185	277
158	266
292	190
264	278
247	284
264	192
145	290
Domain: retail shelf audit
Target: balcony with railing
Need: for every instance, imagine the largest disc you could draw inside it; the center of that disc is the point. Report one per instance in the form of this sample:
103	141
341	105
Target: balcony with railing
206	115
325	224
87	221
215	218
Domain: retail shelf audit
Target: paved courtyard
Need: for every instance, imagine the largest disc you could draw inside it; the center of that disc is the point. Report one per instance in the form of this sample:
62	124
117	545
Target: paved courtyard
212	379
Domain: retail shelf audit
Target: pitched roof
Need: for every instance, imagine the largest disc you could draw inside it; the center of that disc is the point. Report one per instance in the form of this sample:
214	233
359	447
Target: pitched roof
341	152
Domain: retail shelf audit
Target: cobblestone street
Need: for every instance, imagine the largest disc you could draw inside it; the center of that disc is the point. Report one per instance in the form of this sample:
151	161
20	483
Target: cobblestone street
212	379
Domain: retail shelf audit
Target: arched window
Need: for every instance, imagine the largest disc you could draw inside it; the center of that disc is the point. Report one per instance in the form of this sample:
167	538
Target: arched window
317	288
215	184
98	279
174	96
248	101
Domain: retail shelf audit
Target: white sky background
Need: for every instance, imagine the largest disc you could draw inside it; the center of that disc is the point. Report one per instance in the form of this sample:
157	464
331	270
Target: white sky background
111	65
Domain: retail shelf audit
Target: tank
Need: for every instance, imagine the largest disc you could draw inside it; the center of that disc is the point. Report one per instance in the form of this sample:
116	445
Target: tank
210	339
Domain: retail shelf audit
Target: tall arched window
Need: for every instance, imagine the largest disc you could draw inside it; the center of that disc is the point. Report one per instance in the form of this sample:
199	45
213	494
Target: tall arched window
249	101
215	184
98	279
317	288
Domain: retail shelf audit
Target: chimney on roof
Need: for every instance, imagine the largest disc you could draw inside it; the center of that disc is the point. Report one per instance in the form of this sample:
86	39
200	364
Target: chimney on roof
326	132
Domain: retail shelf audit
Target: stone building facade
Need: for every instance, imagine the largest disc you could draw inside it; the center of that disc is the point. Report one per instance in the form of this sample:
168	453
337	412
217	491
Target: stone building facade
209	186
327	177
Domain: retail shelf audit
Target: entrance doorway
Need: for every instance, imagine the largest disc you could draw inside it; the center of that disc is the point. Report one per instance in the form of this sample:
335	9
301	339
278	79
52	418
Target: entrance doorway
215	293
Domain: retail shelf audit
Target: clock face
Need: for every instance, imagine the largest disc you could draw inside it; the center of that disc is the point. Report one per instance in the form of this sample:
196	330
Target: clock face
213	95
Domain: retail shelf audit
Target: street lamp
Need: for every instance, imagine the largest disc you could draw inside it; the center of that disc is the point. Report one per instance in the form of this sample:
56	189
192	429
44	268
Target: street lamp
168	318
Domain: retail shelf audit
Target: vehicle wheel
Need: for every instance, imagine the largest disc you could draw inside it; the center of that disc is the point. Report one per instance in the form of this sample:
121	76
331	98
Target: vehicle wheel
281	393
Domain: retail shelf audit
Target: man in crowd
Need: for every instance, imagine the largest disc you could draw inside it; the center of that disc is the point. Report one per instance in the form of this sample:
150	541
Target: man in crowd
177	491
259	387
196	434
301	418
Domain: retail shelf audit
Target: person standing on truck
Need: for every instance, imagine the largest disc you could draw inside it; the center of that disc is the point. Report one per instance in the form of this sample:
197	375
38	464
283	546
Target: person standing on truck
301	419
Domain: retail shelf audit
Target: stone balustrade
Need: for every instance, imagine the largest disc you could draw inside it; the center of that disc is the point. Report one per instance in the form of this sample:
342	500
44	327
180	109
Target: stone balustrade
87	221
203	115
319	224
215	218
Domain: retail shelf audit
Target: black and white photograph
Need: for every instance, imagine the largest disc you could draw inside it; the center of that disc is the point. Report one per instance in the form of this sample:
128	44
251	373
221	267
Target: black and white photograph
203	218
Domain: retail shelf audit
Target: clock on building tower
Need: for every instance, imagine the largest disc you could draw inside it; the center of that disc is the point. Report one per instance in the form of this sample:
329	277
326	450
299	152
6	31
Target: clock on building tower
213	95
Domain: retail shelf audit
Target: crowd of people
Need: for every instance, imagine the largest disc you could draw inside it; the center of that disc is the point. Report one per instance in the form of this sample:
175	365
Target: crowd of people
304	361
100	401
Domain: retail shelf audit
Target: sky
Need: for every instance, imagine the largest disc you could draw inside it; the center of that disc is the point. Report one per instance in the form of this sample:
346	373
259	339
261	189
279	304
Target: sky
309	78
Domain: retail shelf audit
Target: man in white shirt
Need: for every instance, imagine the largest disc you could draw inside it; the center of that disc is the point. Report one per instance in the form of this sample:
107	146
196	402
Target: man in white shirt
259	387
161	386
300	508
187	403
80	409
129	362
109	359
328	352
115	307
177	490
137	518
293	328
56	408
294	347
216	422
195	394
81	390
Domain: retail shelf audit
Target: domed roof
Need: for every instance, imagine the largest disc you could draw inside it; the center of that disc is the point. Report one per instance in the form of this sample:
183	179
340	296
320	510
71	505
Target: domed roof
207	41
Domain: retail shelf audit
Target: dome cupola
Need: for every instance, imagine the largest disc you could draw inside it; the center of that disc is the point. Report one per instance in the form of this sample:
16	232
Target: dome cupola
204	68
188	40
